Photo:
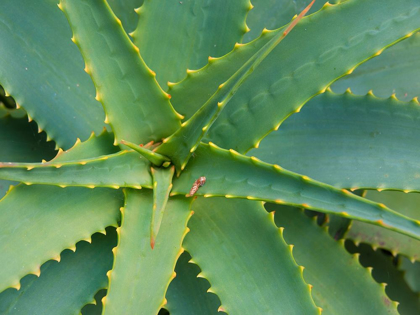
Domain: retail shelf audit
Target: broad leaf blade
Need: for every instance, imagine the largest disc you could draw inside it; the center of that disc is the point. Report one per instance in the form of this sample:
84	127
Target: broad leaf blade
225	176
136	107
190	31
43	71
125	11
162	185
241	233
77	277
142	285
350	142
330	268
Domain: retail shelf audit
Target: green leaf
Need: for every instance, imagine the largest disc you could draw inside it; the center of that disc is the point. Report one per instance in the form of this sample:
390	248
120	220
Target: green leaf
64	287
384	271
94	309
180	145
38	222
225	176
351	142
298	69
122	169
43	71
187	294
140	276
185	33
406	204
241	233
272	14
162	185
394	71
125	86
330	269
125	11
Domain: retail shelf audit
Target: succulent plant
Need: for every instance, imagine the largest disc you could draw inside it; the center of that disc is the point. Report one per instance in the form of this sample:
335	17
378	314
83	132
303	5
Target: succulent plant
217	193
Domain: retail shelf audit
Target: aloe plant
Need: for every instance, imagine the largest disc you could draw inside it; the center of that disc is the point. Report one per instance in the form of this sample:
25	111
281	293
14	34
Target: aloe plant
168	157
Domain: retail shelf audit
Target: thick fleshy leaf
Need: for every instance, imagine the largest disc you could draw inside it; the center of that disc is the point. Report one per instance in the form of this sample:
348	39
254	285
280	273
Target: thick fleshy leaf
180	145
225	176
384	271
122	169
43	71
64	287
351	142
394	71
244	256
162	185
94	309
136	107
38	222
141	275
186	33
187	294
406	204
330	268
302	67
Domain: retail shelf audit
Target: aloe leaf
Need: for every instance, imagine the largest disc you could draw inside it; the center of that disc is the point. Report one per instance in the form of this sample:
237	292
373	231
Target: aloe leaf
225	230
142	285
384	271
190	30
94	309
351	142
162	185
120	74
180	145
38	222
43	71
154	158
411	273
296	71
225	176
77	277
394	71
125	11
187	293
328	265
272	14
122	169
406	204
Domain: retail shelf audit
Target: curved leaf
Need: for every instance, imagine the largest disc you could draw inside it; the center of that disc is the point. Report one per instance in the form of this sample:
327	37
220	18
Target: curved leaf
120	74
225	176
243	234
43	71
140	276
125	11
